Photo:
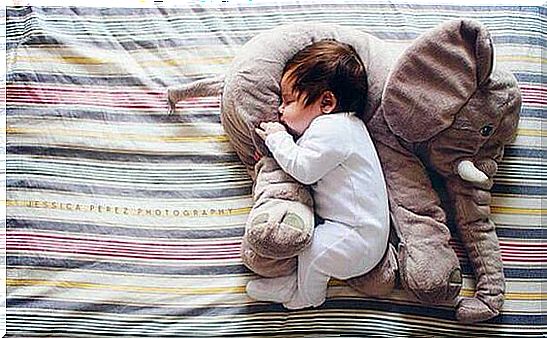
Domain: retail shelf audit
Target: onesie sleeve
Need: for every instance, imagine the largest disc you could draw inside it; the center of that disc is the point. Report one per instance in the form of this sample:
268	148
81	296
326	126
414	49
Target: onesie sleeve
320	151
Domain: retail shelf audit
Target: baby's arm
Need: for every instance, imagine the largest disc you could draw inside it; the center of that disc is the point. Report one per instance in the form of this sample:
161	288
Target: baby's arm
318	154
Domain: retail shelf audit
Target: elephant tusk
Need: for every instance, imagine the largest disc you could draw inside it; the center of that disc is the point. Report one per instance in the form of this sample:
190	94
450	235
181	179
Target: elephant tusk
468	172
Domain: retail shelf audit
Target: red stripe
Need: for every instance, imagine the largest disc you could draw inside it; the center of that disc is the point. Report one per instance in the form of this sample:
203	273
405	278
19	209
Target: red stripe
128	98
131	99
17	244
122	254
526	89
510	252
83	92
41	244
109	253
234	243
505	243
170	251
95	89
160	92
510	247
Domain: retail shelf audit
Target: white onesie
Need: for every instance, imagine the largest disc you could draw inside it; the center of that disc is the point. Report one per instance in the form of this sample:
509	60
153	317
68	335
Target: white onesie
336	156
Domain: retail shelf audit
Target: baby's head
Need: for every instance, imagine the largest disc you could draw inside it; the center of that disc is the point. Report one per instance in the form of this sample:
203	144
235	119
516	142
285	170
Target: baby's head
325	77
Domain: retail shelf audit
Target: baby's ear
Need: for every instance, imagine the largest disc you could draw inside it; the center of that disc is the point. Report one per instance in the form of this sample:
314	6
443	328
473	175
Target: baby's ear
328	102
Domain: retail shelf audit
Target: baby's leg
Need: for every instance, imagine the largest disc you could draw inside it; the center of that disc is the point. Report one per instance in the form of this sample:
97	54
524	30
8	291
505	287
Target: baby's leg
336	251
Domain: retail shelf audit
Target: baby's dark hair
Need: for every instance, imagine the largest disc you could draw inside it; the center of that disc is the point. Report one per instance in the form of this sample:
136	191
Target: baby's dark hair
329	65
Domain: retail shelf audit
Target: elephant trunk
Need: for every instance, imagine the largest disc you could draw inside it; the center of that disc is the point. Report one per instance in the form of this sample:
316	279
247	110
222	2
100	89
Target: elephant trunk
482	246
477	232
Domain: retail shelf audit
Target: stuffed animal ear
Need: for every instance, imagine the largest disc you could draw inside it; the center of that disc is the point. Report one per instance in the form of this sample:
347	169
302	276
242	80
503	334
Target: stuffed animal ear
435	77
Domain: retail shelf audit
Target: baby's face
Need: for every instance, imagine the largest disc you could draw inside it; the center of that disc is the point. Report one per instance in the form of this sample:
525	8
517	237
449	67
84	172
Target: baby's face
293	113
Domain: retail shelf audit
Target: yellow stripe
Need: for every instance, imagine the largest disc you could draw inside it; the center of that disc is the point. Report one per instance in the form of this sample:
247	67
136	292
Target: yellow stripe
87	60
126	288
219	60
516	211
511	295
84	60
531	132
533	59
216	138
527	296
120	136
83	207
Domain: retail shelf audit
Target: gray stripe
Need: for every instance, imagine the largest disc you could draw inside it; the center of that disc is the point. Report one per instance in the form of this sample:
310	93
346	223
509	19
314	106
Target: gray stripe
108	115
136	157
98	229
93	189
151	269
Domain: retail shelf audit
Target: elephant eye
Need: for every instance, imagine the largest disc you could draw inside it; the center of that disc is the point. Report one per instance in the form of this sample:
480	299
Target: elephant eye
487	130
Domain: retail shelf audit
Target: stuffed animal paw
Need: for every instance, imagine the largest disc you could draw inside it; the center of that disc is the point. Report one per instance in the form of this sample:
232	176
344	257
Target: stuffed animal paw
472	310
281	223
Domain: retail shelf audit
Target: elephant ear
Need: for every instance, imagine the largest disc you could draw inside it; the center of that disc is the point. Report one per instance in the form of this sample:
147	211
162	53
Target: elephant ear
435	77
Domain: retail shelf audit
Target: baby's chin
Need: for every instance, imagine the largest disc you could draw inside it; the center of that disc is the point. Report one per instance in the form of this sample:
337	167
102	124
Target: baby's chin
291	131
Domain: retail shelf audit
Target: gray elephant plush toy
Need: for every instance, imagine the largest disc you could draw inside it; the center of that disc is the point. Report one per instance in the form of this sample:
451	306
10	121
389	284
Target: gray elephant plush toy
439	108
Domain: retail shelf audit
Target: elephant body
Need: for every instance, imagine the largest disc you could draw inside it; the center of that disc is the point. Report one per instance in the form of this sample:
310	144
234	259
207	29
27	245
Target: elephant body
437	107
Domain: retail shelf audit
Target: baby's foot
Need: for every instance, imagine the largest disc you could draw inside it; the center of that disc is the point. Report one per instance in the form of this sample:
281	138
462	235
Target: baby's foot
298	301
279	289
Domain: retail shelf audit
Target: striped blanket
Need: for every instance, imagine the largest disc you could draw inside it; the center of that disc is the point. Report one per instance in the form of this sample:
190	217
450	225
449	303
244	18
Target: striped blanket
123	220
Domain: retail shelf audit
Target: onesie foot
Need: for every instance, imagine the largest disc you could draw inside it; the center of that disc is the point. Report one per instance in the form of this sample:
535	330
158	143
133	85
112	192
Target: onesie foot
278	290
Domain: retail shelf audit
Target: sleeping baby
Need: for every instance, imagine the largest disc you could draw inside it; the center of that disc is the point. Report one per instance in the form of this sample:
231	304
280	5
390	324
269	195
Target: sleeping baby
322	106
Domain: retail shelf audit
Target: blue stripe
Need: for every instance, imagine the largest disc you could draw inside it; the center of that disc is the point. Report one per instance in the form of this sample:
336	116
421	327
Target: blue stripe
191	24
131	80
236	231
29	183
160	269
514	151
515	233
277	310
534	112
519	189
240	39
531	78
138	12
519	39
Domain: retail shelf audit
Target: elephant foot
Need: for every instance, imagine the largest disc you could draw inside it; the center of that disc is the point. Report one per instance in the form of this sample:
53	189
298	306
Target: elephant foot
472	310
279	229
266	267
433	277
381	280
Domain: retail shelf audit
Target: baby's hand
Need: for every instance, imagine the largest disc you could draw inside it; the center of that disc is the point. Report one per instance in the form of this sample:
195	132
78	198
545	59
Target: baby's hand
268	128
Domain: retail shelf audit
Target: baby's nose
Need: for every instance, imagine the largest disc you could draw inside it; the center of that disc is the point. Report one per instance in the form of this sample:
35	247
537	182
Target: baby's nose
281	108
